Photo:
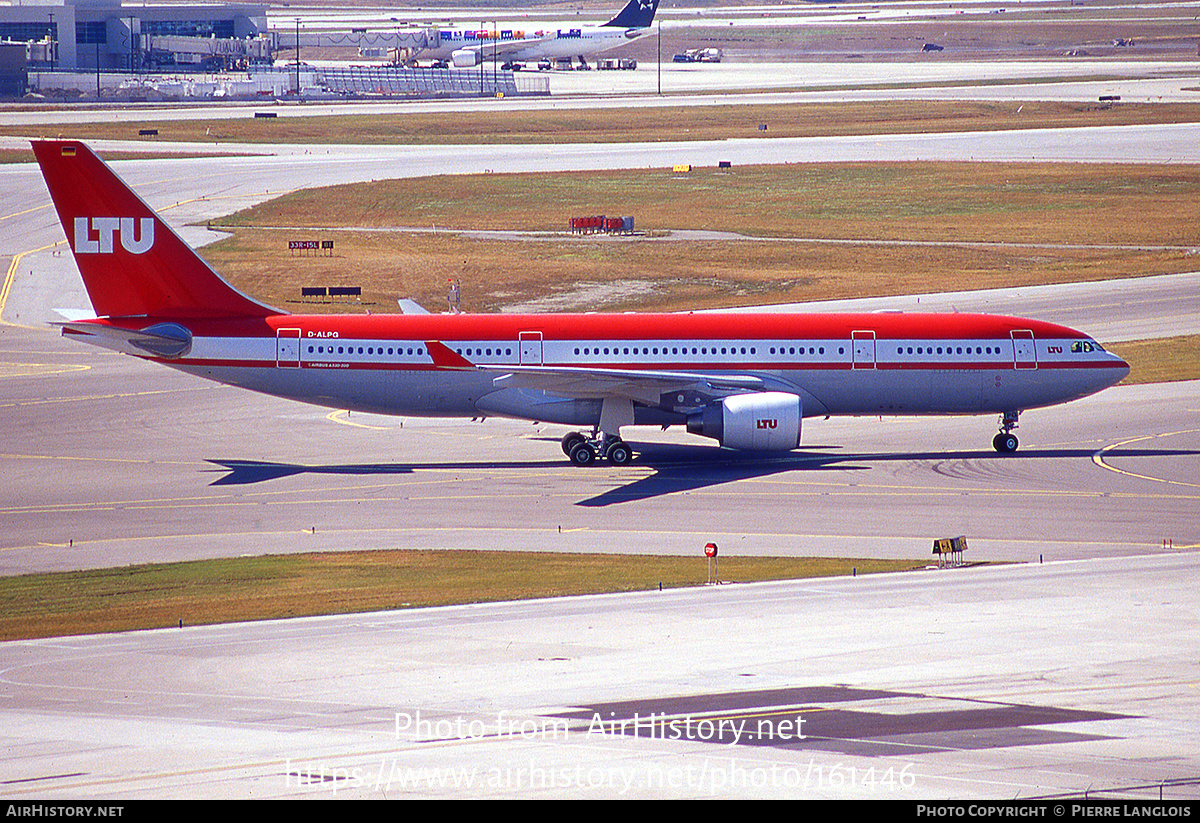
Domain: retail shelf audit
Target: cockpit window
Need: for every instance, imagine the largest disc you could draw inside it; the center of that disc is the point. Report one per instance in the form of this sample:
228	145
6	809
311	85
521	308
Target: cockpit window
1086	346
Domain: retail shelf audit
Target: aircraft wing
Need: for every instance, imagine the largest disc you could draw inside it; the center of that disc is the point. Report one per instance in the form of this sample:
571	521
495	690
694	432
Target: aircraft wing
582	382
645	387
503	48
410	306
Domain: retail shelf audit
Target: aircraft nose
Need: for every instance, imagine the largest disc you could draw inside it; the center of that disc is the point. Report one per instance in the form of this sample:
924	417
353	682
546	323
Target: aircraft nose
1120	370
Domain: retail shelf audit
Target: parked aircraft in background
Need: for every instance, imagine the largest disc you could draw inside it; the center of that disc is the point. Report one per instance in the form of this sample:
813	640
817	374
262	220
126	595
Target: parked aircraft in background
514	47
746	380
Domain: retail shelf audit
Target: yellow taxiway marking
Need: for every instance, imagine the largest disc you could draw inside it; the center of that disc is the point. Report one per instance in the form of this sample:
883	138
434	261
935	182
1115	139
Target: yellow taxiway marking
36	401
466	537
1098	458
16	261
27	211
12	274
38	369
336	417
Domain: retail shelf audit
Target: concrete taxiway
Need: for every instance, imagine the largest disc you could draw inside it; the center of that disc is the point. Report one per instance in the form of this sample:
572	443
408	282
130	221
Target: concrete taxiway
113	461
1005	682
731	84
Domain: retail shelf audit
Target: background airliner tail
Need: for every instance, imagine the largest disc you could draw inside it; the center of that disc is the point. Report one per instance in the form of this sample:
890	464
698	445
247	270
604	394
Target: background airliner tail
638	14
132	263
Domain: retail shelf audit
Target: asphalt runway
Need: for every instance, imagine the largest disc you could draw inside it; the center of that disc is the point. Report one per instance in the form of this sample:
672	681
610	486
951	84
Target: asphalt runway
1070	670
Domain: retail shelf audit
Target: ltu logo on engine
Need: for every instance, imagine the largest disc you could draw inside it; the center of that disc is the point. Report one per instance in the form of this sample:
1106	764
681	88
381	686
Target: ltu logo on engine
767	423
96	235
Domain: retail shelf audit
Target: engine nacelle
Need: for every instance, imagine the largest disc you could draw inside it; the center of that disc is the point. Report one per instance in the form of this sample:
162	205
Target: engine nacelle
465	58
763	421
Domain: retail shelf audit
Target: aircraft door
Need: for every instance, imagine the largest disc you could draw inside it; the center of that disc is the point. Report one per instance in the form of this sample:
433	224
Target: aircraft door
1024	350
530	348
863	349
287	348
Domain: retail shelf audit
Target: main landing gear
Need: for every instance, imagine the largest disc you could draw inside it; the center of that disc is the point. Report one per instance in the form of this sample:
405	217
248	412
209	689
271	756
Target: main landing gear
584	451
1006	442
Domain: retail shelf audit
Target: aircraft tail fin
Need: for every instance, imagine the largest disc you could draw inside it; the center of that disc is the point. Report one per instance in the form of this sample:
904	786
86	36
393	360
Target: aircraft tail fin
132	263
637	14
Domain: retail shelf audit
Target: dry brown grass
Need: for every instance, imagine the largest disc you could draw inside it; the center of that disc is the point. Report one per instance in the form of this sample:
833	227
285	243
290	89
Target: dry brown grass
915	222
984	202
635	124
641	274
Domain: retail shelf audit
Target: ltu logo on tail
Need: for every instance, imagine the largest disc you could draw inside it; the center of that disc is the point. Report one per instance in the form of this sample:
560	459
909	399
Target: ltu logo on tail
95	235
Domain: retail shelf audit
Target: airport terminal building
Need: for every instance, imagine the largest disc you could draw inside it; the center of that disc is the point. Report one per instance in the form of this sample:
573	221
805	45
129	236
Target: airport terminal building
101	49
106	35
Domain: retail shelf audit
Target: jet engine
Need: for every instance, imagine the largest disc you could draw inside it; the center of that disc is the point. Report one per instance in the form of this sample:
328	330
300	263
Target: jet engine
762	421
465	58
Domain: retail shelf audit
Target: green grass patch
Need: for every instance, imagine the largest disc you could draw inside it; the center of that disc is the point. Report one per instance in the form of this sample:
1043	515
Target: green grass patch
295	585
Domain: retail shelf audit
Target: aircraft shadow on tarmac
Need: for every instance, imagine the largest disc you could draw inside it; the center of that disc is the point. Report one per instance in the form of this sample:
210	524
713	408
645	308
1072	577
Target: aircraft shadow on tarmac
689	468
846	720
682	468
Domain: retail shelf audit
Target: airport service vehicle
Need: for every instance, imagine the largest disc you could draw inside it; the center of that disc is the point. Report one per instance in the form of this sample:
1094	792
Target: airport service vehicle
513	47
699	56
746	380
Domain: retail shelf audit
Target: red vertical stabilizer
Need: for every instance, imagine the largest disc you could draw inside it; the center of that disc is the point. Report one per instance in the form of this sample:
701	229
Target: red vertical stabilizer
132	263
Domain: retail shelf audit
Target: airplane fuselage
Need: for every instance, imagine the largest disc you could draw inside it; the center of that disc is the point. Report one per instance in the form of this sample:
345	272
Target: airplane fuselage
746	380
525	46
851	364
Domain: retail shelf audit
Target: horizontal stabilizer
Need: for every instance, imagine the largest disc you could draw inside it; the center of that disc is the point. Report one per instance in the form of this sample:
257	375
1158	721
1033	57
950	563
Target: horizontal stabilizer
166	340
76	314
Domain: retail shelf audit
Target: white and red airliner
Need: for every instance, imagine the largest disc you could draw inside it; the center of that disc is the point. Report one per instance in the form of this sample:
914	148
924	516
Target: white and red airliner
747	380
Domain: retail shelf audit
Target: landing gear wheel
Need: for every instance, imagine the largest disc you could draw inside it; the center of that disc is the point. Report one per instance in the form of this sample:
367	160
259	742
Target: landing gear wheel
583	454
1005	442
618	453
570	441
